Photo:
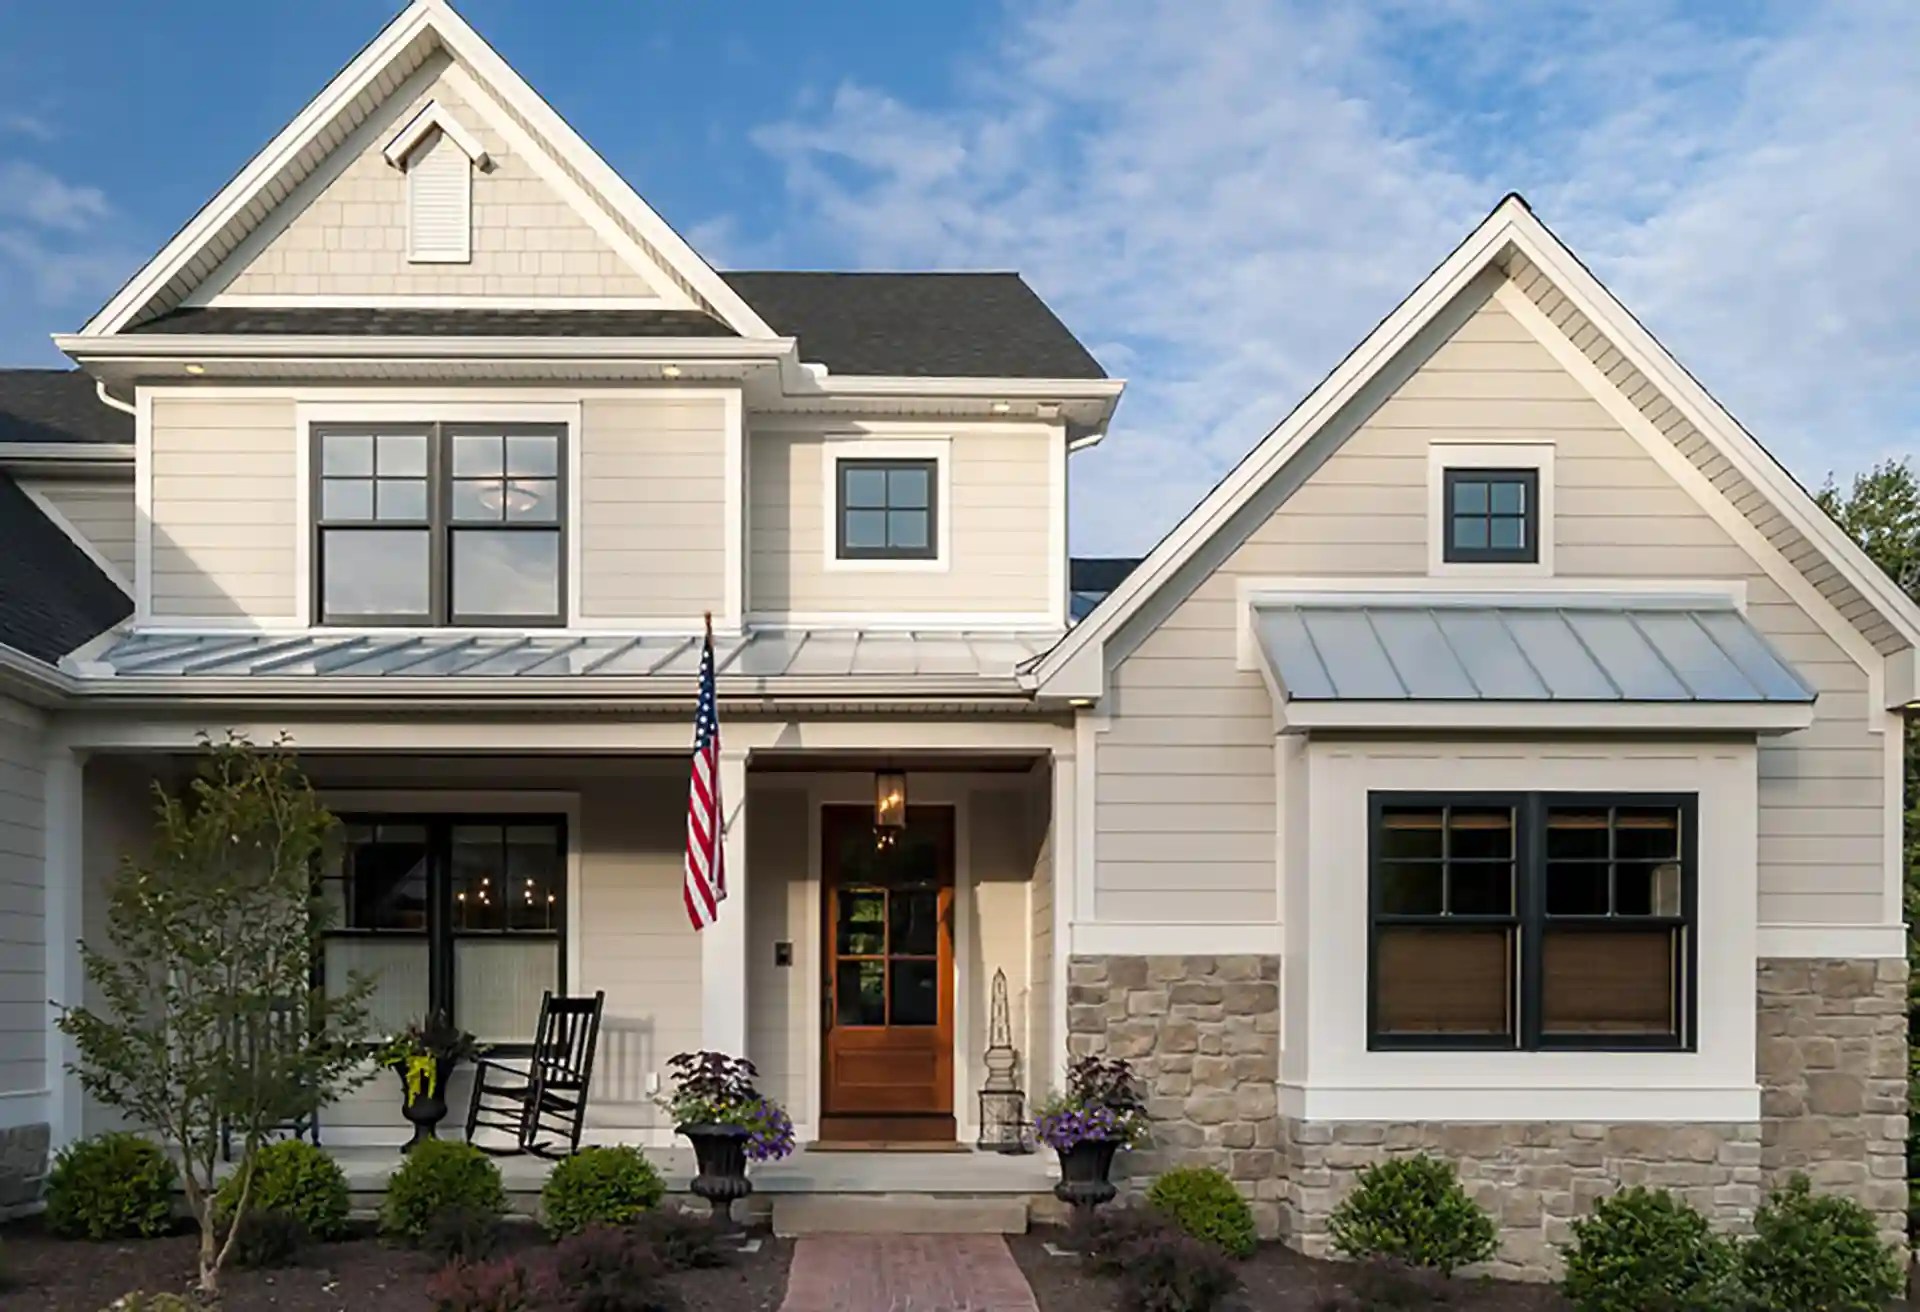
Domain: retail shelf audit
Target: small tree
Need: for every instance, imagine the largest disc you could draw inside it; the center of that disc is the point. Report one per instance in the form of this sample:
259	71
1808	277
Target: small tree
210	1016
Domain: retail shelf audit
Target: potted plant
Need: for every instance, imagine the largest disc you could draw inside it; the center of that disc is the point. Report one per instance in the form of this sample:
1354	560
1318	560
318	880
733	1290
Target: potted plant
1099	1114
424	1055
728	1121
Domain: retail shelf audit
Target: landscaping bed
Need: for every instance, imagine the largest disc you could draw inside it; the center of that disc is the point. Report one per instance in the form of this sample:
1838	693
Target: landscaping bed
359	1274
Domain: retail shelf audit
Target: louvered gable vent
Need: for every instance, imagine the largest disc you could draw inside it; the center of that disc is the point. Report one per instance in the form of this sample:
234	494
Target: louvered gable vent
439	157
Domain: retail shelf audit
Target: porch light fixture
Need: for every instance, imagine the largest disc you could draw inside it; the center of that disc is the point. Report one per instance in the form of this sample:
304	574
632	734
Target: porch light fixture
196	369
890	799
1001	407
669	371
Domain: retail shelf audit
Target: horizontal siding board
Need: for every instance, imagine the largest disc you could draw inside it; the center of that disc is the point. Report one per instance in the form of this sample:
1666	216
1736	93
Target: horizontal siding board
653	492
223	493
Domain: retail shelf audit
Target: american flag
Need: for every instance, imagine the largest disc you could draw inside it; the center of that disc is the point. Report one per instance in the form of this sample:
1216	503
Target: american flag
706	883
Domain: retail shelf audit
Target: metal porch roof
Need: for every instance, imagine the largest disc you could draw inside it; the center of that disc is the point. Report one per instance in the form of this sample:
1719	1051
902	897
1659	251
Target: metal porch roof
1560	648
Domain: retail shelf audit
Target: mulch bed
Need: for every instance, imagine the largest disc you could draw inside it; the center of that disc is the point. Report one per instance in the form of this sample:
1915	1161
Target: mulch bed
358	1275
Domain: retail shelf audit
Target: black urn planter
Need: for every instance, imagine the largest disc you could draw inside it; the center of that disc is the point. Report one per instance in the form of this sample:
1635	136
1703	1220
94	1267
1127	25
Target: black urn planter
1083	1174
720	1152
427	1110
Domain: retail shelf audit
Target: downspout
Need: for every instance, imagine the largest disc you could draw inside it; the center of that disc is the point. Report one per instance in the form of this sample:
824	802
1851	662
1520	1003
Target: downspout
108	399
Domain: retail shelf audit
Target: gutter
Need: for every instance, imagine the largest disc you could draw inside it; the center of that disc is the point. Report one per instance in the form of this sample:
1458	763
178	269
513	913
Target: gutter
141	347
32	680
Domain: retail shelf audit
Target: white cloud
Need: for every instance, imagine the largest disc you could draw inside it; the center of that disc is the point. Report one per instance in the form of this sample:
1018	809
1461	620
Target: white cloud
27	125
1223	196
30	193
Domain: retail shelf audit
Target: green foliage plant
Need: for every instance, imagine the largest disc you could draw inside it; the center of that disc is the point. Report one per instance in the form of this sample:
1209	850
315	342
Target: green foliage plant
600	1186
439	1175
298	1178
1413	1209
1203	1202
1816	1253
112	1186
1643	1250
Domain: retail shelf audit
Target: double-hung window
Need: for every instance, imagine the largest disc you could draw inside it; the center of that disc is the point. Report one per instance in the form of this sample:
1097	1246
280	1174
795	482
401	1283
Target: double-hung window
440	524
455	914
1533	921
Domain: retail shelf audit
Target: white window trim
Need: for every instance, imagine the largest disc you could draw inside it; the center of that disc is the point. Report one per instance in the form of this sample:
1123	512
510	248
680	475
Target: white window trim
1442	456
936	449
434	115
1337	1078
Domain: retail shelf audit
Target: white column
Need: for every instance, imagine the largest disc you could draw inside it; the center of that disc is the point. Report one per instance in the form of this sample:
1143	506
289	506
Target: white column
65	972
723	944
1066	904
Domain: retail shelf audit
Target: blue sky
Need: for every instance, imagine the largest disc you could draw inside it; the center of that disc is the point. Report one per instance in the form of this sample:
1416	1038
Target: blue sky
1221	196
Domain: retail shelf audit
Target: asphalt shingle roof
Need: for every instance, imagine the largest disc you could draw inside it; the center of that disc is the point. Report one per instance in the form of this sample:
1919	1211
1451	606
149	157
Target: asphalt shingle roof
57	405
921	325
52	597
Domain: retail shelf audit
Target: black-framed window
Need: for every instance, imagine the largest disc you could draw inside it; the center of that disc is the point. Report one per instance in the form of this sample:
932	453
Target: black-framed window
1492	516
1532	920
440	524
463	914
887	509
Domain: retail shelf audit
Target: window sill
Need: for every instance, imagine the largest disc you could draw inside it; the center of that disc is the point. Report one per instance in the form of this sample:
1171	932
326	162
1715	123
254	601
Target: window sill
886	564
1607	1101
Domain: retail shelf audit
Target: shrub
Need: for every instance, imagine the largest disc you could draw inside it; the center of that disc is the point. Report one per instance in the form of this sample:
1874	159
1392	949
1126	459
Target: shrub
113	1186
600	1186
436	1176
1642	1250
1413	1208
1204	1203
482	1287
682	1242
1104	1236
602	1269
269	1238
297	1178
461	1234
1816	1253
1174	1272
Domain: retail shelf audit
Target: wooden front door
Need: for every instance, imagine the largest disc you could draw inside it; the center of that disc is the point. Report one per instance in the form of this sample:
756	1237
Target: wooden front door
888	1003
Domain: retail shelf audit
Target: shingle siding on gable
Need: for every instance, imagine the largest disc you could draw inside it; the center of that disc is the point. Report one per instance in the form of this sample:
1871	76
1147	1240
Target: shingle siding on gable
101	512
352	239
1185	822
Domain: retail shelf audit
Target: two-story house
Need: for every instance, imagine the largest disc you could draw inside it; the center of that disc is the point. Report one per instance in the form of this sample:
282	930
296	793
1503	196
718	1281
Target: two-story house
1504	760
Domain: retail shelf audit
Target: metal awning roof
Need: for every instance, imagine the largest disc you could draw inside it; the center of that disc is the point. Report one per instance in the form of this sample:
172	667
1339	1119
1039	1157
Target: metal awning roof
764	660
1619	650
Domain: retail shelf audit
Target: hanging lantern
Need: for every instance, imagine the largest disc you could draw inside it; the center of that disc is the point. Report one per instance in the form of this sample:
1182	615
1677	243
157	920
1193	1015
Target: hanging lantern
890	800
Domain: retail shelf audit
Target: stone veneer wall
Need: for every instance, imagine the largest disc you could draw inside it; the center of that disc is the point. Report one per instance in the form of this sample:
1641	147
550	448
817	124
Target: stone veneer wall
23	1167
1203	1034
1833	1079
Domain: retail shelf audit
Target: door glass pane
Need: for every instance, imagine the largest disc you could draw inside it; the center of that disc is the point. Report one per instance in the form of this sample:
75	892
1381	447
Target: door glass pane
372	572
497	983
916	993
1444	981
861	992
863	923
502	573
916	923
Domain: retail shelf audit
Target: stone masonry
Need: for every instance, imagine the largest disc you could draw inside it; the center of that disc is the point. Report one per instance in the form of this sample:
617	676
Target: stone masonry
1203	1034
1833	1079
23	1166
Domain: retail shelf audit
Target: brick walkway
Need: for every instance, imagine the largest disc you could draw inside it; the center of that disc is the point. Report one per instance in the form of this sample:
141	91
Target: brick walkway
905	1273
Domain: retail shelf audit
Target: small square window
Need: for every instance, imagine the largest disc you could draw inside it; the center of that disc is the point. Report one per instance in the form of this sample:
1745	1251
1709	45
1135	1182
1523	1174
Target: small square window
887	510
1492	516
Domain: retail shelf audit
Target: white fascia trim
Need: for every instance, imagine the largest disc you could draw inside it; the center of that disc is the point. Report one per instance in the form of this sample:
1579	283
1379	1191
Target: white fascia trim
1196	938
20	455
79	539
164	347
936	449
1542	716
142	505
1739	447
1835	942
1035	623
1010	389
1594	1103
1442	455
341	301
1058	552
733	586
433	115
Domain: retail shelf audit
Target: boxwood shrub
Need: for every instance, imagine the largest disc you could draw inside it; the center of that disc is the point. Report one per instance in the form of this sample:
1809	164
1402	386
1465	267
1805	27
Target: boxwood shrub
1643	1250
1814	1251
297	1178
600	1186
437	1176
1413	1209
112	1186
1203	1202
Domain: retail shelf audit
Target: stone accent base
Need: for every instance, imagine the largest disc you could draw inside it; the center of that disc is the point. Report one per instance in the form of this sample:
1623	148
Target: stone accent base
23	1166
1203	1034
1533	1178
1833	1078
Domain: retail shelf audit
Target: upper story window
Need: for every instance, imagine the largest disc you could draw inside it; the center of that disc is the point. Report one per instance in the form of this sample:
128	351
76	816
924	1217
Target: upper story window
887	509
1492	516
1532	921
440	524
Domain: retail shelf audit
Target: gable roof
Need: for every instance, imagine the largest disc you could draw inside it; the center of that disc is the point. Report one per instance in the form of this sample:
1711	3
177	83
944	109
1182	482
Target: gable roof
425	26
1646	389
52	597
58	405
939	325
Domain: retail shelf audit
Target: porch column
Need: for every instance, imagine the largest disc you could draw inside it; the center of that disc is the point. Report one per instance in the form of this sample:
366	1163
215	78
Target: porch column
66	980
723	944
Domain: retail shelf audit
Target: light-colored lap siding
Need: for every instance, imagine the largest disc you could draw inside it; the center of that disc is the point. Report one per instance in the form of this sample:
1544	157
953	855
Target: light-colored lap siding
783	1002
1185	811
116	801
223	507
653	508
998	525
1001	850
23	984
1038	1060
102	513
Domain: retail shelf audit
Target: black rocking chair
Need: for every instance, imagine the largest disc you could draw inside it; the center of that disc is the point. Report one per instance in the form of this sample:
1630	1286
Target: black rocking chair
549	1097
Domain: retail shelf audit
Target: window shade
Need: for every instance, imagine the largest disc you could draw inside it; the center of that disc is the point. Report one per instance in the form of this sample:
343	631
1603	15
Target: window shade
439	202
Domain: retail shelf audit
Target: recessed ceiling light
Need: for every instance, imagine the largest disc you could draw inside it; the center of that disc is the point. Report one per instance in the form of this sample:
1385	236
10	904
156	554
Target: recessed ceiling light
669	371
196	369
1001	407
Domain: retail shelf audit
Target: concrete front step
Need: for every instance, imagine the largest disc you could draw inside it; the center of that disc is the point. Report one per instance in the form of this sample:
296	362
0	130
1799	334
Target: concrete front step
795	1215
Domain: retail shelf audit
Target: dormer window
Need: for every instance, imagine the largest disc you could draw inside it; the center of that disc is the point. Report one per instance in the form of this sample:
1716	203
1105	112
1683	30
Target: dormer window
1493	516
438	156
